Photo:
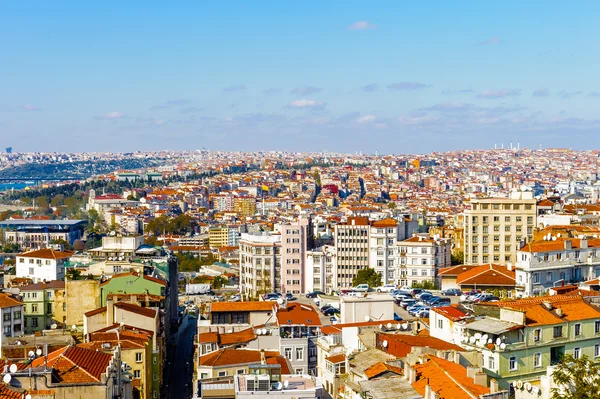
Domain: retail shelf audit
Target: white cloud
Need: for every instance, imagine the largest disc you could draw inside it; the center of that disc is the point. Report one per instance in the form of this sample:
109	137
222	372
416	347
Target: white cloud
305	90
234	89
361	25
30	107
407	86
307	104
113	115
366	118
499	93
541	92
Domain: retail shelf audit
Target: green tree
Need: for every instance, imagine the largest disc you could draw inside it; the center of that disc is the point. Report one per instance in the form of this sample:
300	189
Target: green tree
576	379
457	258
367	276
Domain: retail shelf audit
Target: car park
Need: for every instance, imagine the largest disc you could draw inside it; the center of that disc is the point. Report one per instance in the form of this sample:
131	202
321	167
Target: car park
361	288
314	294
452	292
416	291
422	293
441	301
407	303
290	297
467	294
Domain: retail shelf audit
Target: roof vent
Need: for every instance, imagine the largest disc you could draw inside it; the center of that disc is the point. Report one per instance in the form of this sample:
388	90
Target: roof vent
559	312
547	305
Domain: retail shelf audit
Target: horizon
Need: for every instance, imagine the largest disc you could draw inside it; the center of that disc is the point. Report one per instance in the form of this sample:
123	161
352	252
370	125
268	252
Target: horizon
298	77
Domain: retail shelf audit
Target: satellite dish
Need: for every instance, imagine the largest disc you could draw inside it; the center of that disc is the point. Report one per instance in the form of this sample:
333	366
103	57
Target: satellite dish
472	340
498	341
536	390
485	337
477	335
490	340
28	396
367	318
31	353
264	331
519	384
7	378
502	345
527	386
278	386
389	326
73	327
398	326
381	326
229	331
286	383
38	352
13	368
53	327
280	301
257	331
404	326
385	344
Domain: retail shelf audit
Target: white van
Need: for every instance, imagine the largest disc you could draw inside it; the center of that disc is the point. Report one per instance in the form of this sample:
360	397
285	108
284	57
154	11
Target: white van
361	288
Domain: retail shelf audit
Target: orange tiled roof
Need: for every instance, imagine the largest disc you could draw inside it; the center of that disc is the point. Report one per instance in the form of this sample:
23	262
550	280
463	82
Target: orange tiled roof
336	358
263	306
400	345
75	365
337	328
559	245
379	368
130	307
455	270
298	314
8	392
47	253
490	275
95	311
6	301
389	222
451	312
446	378
230	357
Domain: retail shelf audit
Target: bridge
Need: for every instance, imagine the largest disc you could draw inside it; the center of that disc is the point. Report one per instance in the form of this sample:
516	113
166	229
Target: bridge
37	180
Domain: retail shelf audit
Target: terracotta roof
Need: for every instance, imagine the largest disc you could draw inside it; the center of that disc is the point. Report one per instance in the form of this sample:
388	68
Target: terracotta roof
227	339
558	245
8	392
379	368
455	270
47	253
262	306
451	313
282	361
75	365
336	358
130	307
50	285
298	314
389	222
490	275
449	380
427	240
95	311
400	345
7	301
230	357
337	328
545	202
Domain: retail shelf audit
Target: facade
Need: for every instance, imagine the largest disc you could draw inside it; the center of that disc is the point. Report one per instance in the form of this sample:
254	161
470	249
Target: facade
420	257
321	269
39	306
352	250
383	236
298	330
496	227
260	264
42	265
132	283
544	264
218	237
36	234
296	239
12	316
244	206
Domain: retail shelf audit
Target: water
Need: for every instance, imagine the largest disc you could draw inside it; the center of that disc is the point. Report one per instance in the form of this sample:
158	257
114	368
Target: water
16	186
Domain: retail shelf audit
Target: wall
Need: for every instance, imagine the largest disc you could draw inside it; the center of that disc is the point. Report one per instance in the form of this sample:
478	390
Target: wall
82	296
355	309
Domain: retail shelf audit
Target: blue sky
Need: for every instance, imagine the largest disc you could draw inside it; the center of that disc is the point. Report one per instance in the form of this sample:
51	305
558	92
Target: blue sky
393	77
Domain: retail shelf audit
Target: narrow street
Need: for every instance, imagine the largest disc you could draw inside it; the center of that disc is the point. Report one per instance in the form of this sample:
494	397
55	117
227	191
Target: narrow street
180	367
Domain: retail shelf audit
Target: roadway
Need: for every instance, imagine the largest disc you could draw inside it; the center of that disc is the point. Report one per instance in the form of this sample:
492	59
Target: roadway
180	367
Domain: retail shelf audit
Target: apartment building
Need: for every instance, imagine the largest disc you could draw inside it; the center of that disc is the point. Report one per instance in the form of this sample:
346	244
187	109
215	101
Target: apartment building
321	267
383	236
352	249
12	316
244	206
496	227
556	261
260	264
39	305
418	258
296	239
43	264
218	236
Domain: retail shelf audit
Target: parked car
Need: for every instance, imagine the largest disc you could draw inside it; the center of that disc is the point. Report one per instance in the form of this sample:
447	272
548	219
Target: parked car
384	288
423	312
424	296
397	318
235	298
420	294
441	301
487	298
331	311
465	295
414	309
333	319
290	297
324	308
416	291
361	288
314	294
475	297
452	292
407	302
431	299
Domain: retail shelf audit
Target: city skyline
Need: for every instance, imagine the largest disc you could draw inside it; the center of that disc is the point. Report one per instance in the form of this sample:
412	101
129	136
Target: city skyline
344	77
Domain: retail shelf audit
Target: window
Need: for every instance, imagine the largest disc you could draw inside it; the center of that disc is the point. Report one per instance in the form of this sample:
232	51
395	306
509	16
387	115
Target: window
577	353
491	363
577	329
6	316
240	371
537	335
31	271
221	373
34	308
137	374
597	350
440	323
597	326
557	331
537	360
138	357
287	352
299	371
512	363
299	354
34	322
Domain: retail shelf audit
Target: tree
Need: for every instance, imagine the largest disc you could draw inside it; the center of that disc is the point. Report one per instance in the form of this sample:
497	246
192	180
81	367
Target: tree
367	276
457	258
576	379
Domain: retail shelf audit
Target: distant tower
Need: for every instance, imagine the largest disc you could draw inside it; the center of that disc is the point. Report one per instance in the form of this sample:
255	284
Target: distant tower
9	150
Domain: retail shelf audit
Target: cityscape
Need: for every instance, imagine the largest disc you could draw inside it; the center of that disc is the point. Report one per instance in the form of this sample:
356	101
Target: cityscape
300	200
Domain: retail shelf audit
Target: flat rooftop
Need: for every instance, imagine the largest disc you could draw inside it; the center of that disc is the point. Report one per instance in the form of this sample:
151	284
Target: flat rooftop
41	223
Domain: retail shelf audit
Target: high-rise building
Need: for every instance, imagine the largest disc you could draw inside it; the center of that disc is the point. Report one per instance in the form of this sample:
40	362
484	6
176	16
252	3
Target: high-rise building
296	239
496	227
260	270
352	249
418	259
321	269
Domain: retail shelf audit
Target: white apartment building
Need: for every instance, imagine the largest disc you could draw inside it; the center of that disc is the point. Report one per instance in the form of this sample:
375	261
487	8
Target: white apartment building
321	267
383	236
352	250
42	265
12	317
260	269
556	261
496	227
418	258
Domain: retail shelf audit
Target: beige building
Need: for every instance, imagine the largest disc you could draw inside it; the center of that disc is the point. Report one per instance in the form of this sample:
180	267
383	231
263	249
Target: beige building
82	296
352	250
495	228
218	236
260	269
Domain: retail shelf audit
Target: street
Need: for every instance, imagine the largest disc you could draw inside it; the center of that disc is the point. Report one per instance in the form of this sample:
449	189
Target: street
180	367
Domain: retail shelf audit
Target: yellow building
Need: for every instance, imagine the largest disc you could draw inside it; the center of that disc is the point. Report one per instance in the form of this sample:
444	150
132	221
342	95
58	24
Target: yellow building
218	236
244	206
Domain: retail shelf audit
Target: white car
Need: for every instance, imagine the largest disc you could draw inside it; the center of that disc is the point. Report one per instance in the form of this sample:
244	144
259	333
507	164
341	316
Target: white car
386	288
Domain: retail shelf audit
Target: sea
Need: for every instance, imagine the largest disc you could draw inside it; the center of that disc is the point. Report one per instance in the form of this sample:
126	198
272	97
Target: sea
16	186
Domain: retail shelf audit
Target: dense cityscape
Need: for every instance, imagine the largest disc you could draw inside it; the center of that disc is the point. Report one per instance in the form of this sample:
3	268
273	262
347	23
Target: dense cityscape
215	274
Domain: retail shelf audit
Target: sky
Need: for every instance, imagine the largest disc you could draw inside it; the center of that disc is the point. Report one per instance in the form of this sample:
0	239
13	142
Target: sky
343	76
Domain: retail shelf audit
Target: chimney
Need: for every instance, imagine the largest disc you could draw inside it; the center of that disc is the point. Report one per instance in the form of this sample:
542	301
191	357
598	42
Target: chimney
471	370
263	361
583	243
456	357
493	385
568	244
509	266
480	378
547	305
110	311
